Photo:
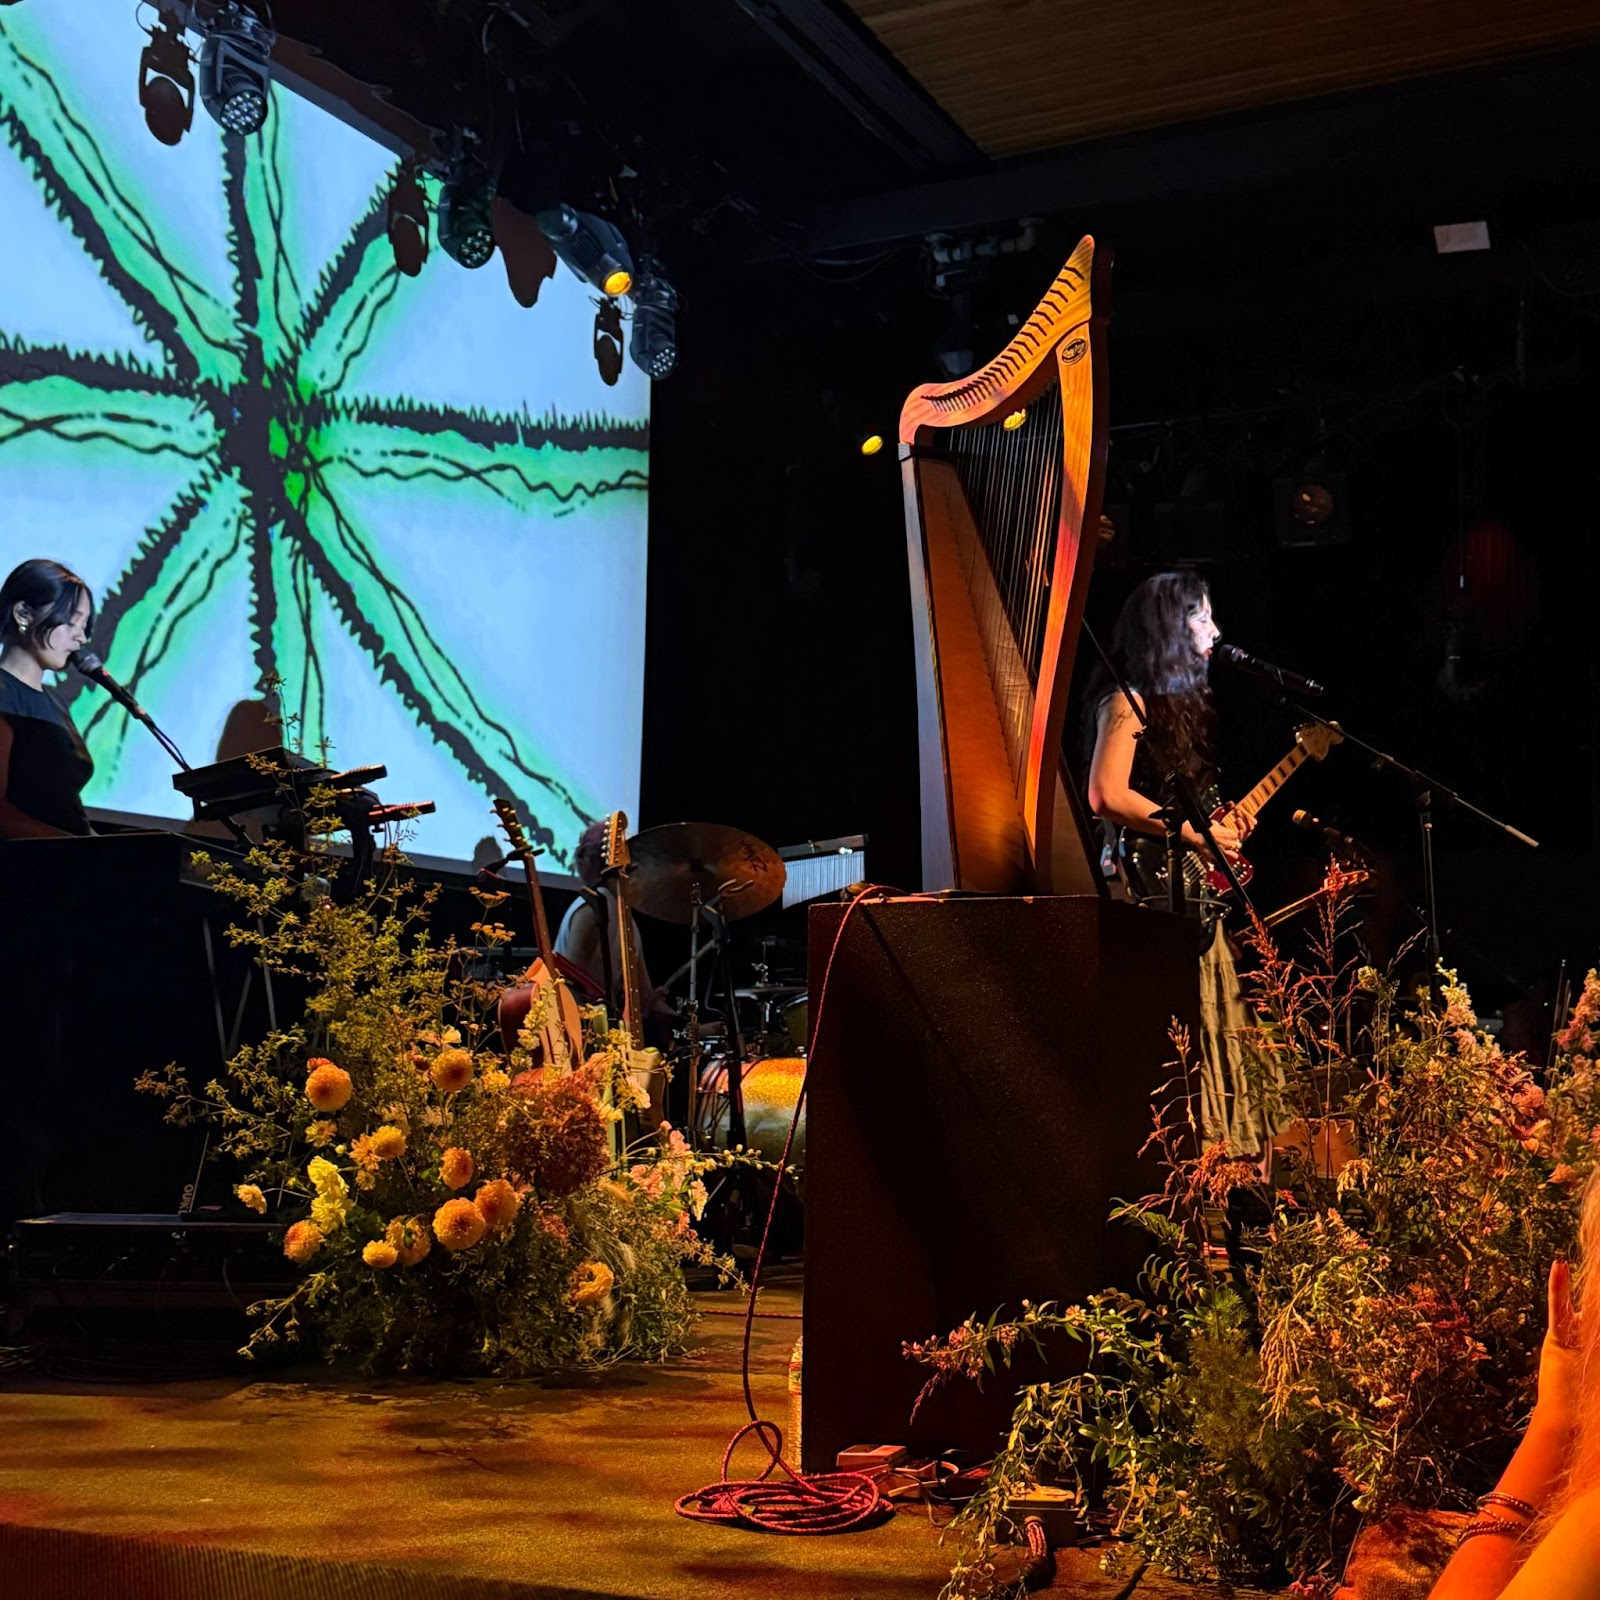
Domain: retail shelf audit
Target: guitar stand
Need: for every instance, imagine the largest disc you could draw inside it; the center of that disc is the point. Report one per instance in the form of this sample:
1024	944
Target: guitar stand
722	979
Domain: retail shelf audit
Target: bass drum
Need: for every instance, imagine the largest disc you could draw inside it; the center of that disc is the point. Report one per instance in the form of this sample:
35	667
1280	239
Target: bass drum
771	1087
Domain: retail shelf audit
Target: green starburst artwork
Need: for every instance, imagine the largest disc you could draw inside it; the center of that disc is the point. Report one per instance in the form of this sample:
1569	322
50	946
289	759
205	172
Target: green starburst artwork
412	503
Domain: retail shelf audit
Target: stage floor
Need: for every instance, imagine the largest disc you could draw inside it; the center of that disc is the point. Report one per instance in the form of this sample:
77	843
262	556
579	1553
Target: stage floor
306	1485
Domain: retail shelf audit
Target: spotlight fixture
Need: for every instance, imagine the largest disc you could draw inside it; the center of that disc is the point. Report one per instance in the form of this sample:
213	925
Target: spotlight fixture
465	215
591	246
166	82
408	222
654	344
236	68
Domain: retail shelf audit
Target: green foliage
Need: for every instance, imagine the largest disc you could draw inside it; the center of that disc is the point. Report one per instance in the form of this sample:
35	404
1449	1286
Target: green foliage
457	1210
1372	1340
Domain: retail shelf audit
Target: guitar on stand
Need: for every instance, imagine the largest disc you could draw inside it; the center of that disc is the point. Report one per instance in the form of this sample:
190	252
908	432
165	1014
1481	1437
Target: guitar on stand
1142	858
543	992
645	1066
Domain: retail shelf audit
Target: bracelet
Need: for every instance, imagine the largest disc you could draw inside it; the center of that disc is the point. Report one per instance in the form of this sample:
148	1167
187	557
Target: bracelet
1510	1502
1512	1530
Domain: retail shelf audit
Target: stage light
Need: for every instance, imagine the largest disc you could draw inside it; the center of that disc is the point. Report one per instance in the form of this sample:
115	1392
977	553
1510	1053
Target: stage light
872	444
1014	420
236	68
654	343
465	217
591	246
166	83
408	222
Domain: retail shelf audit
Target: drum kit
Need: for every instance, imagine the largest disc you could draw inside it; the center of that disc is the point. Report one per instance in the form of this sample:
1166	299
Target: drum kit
741	1047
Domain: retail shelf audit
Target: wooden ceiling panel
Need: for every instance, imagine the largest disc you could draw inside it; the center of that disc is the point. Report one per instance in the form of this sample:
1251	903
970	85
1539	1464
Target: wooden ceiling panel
1024	75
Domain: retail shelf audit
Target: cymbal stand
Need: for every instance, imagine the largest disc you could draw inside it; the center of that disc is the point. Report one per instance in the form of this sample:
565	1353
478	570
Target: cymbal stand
694	1013
736	1062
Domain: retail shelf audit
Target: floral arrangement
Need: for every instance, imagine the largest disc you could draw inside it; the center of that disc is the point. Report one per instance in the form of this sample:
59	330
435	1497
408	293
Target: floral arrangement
455	1209
1366	1338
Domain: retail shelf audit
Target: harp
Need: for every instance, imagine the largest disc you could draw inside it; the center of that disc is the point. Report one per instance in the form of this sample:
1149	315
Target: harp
1003	473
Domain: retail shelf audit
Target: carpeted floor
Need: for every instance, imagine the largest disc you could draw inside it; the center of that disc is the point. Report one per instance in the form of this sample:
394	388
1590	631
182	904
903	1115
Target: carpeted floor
564	1486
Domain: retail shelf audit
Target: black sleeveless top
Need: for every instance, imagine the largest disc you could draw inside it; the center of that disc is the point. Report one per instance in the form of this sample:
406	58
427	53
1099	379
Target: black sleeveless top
50	764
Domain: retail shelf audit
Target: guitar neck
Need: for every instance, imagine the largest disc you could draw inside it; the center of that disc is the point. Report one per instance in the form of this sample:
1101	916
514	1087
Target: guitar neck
1270	784
630	974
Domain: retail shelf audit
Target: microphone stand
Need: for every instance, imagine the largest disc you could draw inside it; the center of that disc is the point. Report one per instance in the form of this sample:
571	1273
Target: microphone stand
1429	793
1182	801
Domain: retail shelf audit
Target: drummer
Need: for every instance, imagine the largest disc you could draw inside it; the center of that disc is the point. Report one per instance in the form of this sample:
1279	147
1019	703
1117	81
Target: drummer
581	941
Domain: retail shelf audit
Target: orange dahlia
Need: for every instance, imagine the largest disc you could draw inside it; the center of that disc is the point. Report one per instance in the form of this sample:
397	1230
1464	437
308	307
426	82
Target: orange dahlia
591	1281
321	1133
302	1241
388	1142
498	1204
409	1236
455	1168
328	1087
251	1196
458	1225
379	1253
452	1069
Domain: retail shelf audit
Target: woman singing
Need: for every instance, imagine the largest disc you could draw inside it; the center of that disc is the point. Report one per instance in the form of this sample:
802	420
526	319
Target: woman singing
45	614
1162	646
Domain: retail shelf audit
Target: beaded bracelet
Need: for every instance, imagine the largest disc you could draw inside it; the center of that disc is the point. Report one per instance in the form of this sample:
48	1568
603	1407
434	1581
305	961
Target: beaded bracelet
1510	1502
1512	1530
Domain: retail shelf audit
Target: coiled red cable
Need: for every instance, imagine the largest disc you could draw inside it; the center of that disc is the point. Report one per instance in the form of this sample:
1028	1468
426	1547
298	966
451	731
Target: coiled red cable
824	1502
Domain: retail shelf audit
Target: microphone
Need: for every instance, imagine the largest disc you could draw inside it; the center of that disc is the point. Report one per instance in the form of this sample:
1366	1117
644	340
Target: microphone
91	666
1304	819
1265	669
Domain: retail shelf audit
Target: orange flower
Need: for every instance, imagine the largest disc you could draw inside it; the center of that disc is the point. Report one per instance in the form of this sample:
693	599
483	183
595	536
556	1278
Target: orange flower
455	1168
452	1069
257	1201
409	1236
328	1087
591	1281
379	1253
321	1133
302	1241
458	1225
362	1153
498	1204
388	1142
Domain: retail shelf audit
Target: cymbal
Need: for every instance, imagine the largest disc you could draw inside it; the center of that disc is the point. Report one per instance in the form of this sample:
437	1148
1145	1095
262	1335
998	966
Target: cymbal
670	859
773	991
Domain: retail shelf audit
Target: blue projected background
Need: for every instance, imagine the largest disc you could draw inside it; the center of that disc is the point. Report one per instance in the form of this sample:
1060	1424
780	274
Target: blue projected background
273	456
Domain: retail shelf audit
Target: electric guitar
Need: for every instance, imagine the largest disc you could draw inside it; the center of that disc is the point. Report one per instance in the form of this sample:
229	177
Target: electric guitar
1142	857
644	1064
561	1031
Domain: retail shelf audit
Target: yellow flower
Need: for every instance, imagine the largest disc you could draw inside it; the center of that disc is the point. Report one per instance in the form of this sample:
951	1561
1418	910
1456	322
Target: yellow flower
302	1241
251	1196
452	1069
379	1253
409	1236
321	1133
332	1204
328	1087
455	1168
458	1225
362	1153
388	1142
498	1204
591	1281
496	1081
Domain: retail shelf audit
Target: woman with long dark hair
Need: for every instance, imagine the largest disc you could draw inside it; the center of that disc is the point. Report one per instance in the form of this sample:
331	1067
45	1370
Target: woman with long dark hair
1162	647
46	613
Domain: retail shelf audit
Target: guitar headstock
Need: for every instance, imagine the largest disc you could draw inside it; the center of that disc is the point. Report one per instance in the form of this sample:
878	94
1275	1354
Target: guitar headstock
1318	738
511	827
618	858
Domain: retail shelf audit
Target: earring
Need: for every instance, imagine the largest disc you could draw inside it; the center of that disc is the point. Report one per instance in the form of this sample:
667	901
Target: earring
22	628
